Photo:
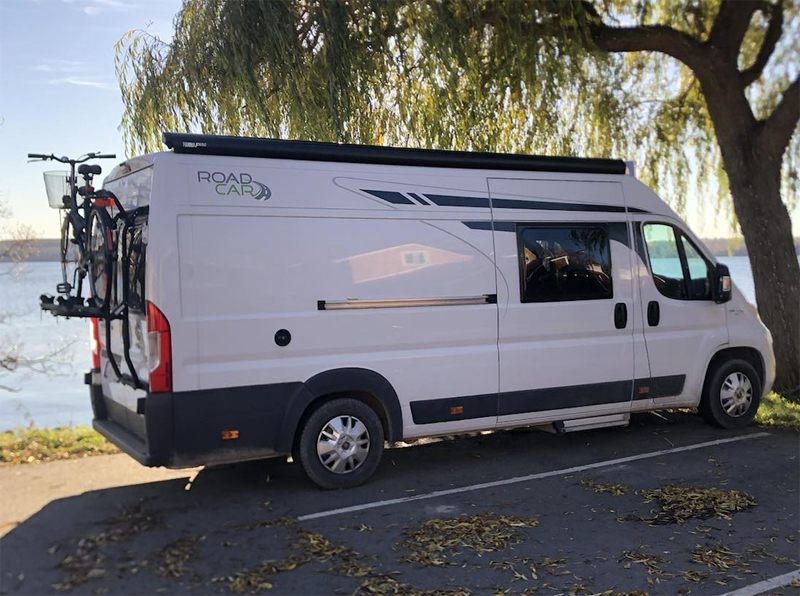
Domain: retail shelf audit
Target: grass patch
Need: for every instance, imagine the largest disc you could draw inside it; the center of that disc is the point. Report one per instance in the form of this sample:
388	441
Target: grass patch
37	445
778	412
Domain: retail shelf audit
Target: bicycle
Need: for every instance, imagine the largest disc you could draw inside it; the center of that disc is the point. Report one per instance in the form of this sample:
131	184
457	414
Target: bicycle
76	227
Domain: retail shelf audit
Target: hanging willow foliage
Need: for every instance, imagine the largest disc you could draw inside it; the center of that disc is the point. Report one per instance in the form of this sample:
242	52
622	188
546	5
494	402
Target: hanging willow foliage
505	75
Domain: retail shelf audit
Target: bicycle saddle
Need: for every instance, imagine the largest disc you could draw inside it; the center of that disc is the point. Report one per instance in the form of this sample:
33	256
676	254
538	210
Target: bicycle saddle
84	169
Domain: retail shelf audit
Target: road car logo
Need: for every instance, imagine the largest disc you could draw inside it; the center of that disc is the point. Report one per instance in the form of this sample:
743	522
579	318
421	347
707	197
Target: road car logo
230	184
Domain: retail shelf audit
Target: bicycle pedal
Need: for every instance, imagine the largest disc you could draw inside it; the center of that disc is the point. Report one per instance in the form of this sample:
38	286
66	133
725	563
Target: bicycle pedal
64	288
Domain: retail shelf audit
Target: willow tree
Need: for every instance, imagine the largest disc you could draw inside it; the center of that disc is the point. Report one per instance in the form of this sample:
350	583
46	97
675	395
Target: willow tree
702	93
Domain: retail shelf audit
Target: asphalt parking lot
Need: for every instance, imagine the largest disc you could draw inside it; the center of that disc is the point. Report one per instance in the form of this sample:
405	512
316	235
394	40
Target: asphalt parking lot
517	512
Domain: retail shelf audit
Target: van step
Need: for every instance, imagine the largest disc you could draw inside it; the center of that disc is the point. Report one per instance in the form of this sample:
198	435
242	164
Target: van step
569	426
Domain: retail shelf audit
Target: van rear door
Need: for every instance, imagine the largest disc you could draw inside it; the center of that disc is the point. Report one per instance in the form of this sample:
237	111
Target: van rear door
121	398
566	312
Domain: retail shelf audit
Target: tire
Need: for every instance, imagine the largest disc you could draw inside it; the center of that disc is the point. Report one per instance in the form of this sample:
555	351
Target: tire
71	258
100	248
731	395
316	444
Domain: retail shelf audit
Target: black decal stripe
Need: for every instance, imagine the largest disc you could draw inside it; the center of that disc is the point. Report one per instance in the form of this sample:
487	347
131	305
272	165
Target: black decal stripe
619	231
657	387
556	398
554	206
499	226
457	201
390	196
478	225
418	198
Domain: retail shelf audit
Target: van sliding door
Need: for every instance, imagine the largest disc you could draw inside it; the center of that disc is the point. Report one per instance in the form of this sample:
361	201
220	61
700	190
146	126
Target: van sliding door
566	311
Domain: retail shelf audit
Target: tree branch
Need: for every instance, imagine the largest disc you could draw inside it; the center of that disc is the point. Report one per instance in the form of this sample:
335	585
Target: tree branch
732	22
773	34
650	38
780	125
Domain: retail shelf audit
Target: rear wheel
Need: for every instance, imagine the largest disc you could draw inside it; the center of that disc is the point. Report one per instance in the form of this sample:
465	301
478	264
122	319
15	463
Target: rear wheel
100	256
341	444
72	271
731	395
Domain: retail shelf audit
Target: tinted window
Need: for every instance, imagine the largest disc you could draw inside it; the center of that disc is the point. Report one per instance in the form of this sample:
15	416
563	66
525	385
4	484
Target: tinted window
565	263
665	260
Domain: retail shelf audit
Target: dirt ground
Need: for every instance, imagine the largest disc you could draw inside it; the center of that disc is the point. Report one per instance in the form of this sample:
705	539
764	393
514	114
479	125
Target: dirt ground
569	514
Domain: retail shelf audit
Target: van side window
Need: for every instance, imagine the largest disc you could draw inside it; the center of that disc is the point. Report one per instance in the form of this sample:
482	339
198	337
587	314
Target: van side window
665	260
699	271
564	263
679	269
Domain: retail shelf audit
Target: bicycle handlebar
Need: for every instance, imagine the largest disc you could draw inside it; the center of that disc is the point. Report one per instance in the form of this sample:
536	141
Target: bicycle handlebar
65	159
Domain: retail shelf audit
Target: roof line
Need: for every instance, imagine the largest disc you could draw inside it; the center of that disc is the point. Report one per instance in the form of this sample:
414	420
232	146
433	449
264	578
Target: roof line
373	154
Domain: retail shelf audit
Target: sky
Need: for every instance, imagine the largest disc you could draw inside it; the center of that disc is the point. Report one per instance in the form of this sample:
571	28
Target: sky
58	91
58	94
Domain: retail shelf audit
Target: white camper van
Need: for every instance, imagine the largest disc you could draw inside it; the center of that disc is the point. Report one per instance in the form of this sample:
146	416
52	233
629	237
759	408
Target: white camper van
318	300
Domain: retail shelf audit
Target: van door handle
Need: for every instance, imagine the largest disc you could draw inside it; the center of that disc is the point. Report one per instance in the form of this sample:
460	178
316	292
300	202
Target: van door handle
653	313
620	315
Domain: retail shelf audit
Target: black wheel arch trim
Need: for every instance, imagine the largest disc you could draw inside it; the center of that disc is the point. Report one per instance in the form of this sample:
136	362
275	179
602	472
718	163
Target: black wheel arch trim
341	381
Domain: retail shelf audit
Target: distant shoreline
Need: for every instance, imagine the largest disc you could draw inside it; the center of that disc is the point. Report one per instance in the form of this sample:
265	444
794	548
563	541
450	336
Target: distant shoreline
47	249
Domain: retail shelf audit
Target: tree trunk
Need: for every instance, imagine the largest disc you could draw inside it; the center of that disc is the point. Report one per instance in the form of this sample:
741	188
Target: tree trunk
753	165
767	230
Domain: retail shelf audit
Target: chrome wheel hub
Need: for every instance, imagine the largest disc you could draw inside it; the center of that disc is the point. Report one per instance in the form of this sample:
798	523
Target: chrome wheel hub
343	444
736	394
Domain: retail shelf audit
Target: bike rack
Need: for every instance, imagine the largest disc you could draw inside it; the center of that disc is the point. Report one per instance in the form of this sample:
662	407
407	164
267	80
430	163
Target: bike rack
70	306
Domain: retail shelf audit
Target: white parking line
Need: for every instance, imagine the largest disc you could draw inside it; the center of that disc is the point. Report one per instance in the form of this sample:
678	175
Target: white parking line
517	479
766	585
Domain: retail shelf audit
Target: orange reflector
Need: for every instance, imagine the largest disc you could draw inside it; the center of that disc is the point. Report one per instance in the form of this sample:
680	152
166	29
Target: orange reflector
643	390
228	435
456	410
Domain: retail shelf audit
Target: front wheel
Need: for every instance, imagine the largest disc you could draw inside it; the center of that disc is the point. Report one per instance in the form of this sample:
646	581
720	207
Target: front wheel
73	266
731	395
341	444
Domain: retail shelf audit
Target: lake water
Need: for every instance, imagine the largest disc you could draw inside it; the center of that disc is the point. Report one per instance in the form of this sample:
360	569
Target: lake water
60	397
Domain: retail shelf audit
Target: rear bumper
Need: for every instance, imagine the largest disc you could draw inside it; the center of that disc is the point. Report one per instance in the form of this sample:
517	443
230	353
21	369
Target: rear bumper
187	429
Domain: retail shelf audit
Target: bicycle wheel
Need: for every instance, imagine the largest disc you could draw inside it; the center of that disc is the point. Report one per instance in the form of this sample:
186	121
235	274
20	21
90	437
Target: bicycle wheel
72	259
101	255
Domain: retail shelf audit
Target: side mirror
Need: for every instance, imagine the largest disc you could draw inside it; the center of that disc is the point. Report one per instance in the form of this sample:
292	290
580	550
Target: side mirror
721	286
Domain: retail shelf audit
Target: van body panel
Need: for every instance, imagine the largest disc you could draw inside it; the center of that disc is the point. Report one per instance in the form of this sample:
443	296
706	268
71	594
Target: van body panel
425	353
242	250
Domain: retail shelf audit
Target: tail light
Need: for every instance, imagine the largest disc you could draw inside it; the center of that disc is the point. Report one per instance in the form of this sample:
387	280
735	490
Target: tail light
94	342
160	350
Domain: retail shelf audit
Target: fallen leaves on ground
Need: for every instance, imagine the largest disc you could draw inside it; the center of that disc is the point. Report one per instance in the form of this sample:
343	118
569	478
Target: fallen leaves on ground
650	561
313	547
679	503
484	532
173	557
714	555
86	562
388	586
598	487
